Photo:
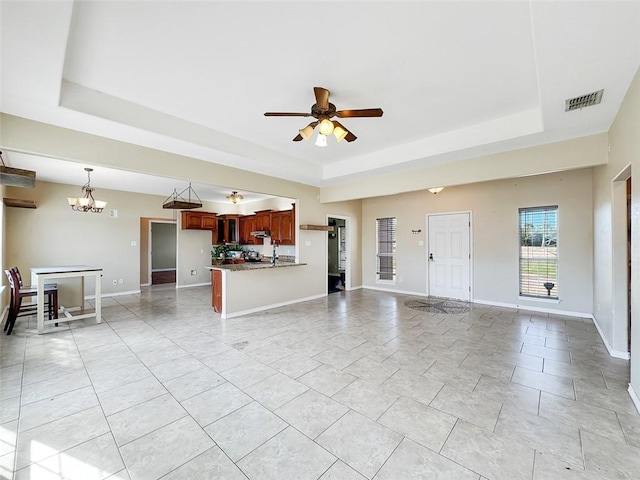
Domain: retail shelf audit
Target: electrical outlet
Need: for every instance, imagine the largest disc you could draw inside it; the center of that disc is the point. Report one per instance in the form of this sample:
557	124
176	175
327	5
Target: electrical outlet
115	282
121	281
194	272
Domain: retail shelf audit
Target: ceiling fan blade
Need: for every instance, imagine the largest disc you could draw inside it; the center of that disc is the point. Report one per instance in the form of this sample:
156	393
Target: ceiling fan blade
286	114
350	137
297	138
322	97
364	112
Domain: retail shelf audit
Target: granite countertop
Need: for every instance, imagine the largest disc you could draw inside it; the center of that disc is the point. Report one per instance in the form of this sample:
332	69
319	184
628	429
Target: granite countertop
239	267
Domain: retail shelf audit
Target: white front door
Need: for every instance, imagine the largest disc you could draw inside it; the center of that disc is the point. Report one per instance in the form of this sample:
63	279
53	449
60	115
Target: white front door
448	256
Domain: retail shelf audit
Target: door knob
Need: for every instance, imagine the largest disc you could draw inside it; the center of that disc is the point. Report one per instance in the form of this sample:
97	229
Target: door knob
431	257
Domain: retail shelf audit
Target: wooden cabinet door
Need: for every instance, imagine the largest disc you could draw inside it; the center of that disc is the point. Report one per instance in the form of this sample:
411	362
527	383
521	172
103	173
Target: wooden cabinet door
220	227
191	220
247	223
276	226
263	222
216	290
232	230
208	221
287	228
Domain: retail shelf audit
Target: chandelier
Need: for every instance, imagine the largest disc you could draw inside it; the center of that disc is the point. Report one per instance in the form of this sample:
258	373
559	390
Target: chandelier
87	203
235	197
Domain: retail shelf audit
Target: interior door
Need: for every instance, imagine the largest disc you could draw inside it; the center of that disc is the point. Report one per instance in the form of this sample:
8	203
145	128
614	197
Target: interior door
448	256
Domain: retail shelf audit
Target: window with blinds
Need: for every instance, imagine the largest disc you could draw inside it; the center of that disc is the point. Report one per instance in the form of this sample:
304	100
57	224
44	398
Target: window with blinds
386	249
539	252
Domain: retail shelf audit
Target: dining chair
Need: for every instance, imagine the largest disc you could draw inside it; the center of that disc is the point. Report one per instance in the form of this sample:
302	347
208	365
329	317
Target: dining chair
17	309
46	285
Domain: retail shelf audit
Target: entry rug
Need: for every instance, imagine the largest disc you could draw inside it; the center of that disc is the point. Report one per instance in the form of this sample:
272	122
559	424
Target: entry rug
437	305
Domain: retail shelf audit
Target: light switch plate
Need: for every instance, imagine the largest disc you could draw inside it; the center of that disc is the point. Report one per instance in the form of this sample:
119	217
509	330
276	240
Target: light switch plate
421	243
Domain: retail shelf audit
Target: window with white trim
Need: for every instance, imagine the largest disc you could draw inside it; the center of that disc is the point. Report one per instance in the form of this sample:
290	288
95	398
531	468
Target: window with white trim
386	250
539	252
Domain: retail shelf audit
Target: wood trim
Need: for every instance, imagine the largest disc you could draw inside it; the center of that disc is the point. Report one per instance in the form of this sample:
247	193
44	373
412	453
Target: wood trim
323	228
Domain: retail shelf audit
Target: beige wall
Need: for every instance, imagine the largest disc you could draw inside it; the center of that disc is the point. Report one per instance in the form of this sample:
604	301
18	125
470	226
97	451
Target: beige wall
494	214
610	238
53	234
553	157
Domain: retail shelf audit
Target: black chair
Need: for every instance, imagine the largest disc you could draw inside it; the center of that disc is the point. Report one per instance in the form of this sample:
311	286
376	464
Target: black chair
16	309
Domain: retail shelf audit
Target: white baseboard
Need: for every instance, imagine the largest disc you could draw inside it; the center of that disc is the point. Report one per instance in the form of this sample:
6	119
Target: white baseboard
394	290
114	294
612	352
225	316
530	308
634	397
193	285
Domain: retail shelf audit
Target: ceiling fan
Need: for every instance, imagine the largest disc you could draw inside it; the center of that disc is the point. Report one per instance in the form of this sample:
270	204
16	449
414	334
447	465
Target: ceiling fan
323	111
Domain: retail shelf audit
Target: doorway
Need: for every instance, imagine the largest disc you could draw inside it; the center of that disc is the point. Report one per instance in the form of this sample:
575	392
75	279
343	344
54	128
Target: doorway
448	255
620	341
629	266
337	256
162	252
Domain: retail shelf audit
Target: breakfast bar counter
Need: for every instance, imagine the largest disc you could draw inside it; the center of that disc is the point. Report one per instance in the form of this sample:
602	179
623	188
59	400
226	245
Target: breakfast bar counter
239	267
240	288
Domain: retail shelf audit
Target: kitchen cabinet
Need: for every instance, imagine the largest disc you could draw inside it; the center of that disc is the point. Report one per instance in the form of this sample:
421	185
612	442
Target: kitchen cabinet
247	225
227	229
216	287
198	220
263	221
283	227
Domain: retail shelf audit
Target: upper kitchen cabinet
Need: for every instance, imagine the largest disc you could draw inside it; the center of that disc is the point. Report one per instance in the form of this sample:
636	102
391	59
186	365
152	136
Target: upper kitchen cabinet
227	229
263	221
198	220
247	225
283	227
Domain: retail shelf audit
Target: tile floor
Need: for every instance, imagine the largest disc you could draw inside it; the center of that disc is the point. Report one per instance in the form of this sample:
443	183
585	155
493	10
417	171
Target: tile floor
352	386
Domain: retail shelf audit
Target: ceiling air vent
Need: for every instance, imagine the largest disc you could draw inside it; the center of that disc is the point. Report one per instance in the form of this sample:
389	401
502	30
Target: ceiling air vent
583	101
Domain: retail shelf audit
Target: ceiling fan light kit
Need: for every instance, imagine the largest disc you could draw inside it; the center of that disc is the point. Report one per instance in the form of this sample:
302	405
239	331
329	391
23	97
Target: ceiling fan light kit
323	111
339	132
307	131
321	141
326	126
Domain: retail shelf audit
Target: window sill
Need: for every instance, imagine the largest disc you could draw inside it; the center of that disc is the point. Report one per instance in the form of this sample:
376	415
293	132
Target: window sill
539	299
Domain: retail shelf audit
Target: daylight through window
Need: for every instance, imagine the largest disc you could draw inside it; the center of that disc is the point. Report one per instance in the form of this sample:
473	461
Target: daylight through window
539	252
386	249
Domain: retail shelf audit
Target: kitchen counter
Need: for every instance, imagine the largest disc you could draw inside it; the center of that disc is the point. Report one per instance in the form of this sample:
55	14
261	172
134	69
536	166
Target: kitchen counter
229	288
240	267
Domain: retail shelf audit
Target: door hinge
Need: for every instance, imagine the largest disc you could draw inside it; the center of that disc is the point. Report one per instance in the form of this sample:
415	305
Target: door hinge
469	288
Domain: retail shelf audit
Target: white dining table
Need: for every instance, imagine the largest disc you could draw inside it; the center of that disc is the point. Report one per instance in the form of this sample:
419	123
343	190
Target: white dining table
42	275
